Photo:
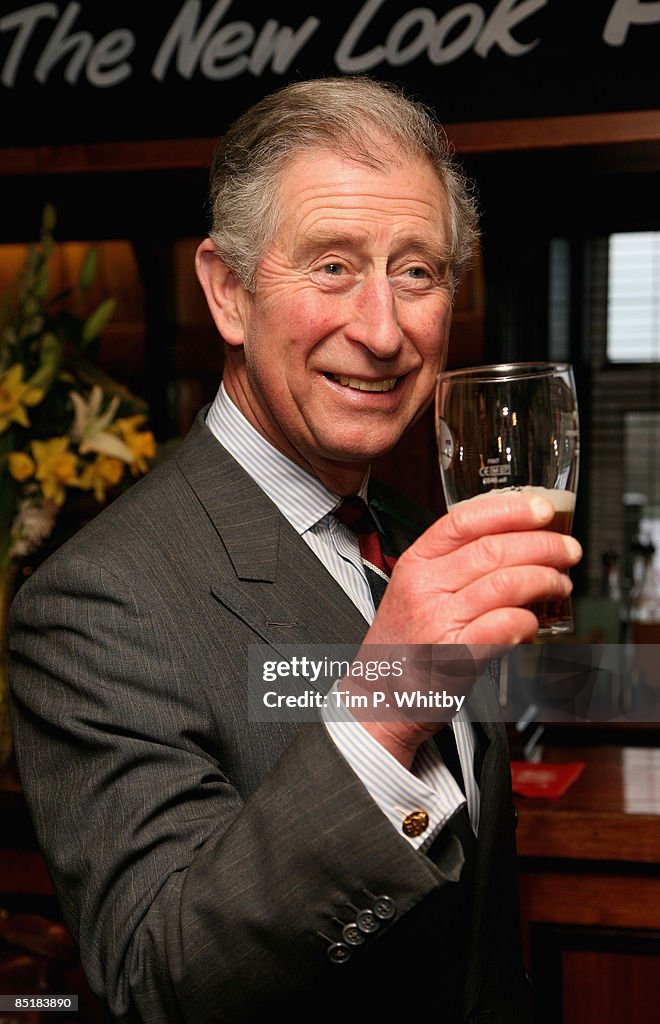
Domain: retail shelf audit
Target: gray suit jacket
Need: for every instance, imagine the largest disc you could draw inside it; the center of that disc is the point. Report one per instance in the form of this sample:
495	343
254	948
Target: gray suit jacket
199	857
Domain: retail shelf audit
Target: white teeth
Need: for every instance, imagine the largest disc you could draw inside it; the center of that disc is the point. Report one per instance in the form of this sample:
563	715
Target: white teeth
365	385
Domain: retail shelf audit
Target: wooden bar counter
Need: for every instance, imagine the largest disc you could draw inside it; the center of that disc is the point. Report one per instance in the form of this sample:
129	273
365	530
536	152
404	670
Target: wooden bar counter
590	889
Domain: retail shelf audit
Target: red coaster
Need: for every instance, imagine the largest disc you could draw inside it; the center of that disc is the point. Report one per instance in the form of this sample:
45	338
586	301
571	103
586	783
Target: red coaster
543	779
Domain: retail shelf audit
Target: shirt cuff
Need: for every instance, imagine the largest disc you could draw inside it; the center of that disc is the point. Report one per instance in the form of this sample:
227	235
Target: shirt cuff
428	787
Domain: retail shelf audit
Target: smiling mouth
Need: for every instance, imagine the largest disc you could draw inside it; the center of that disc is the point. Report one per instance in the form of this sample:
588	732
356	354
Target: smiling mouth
388	384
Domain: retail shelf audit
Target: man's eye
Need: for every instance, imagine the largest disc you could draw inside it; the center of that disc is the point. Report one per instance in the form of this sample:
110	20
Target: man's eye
333	269
417	272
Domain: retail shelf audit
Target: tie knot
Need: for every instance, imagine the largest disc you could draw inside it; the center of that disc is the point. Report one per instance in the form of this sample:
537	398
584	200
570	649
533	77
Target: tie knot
354	512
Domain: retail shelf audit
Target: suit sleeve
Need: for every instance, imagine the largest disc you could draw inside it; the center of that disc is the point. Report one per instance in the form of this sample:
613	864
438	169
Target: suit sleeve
189	902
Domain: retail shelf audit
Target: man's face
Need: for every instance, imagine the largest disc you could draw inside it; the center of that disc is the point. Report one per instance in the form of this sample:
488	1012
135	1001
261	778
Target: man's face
348	324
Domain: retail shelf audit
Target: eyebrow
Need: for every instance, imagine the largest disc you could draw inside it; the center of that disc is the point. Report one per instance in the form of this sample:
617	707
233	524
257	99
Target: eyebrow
438	253
328	239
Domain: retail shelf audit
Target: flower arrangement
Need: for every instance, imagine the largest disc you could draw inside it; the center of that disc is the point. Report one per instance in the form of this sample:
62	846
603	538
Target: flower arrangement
67	430
65	426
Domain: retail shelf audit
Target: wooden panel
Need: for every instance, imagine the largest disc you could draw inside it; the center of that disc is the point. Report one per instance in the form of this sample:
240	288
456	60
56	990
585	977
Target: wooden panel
632	127
160	154
608	988
589	835
555	132
597	898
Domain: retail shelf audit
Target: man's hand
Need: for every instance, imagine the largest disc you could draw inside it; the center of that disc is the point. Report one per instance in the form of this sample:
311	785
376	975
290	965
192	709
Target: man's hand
467	581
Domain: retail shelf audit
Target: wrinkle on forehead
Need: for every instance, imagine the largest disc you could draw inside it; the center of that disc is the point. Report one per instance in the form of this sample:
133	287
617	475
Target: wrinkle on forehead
389	159
358	205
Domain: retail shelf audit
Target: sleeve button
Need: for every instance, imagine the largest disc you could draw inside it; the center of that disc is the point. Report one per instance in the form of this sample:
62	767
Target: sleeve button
352	935
384	908
338	953
367	922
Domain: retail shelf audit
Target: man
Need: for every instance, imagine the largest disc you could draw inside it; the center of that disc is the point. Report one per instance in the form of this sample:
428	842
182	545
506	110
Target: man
211	867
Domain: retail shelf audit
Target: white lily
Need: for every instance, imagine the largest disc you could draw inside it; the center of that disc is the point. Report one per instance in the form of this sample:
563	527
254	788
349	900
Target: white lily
90	426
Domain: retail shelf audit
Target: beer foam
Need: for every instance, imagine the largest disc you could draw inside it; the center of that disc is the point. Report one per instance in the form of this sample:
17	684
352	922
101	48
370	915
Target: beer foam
561	501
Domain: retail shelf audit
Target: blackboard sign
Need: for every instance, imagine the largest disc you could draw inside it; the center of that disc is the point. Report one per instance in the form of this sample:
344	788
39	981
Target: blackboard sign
99	70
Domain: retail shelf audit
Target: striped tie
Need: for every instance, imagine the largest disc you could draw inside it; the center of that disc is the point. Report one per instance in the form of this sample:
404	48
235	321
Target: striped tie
354	513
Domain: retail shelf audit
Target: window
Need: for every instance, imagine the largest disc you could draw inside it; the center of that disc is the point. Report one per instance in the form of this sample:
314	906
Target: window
633	305
604	316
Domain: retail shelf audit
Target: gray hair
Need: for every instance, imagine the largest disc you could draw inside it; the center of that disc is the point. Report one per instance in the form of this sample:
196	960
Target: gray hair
349	115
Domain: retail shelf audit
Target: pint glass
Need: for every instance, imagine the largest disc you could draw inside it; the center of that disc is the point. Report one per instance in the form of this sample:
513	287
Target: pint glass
512	426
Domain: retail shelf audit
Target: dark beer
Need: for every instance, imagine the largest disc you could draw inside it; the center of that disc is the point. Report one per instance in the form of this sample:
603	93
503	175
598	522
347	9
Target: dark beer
556	615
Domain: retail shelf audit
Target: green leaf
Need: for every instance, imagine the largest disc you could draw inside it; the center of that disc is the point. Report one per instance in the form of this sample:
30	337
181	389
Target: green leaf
97	321
48	219
30	306
88	269
31	328
51	354
47	247
42	284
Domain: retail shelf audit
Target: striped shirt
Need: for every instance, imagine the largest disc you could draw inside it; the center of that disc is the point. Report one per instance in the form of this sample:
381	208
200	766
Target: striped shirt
307	504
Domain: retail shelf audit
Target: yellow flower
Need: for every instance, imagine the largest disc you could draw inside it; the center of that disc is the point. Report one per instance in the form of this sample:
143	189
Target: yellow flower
20	466
142	443
15	395
56	467
105	471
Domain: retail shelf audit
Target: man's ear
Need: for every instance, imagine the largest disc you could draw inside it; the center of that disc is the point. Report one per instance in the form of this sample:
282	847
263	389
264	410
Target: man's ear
225	295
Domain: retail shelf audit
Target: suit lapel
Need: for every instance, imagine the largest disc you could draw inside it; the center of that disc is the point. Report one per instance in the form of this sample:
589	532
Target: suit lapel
279	588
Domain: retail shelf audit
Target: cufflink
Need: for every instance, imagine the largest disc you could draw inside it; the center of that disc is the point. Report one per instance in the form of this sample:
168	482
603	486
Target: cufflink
415	823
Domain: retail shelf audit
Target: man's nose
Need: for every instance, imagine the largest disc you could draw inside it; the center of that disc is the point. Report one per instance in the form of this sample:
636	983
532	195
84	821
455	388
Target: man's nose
375	320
